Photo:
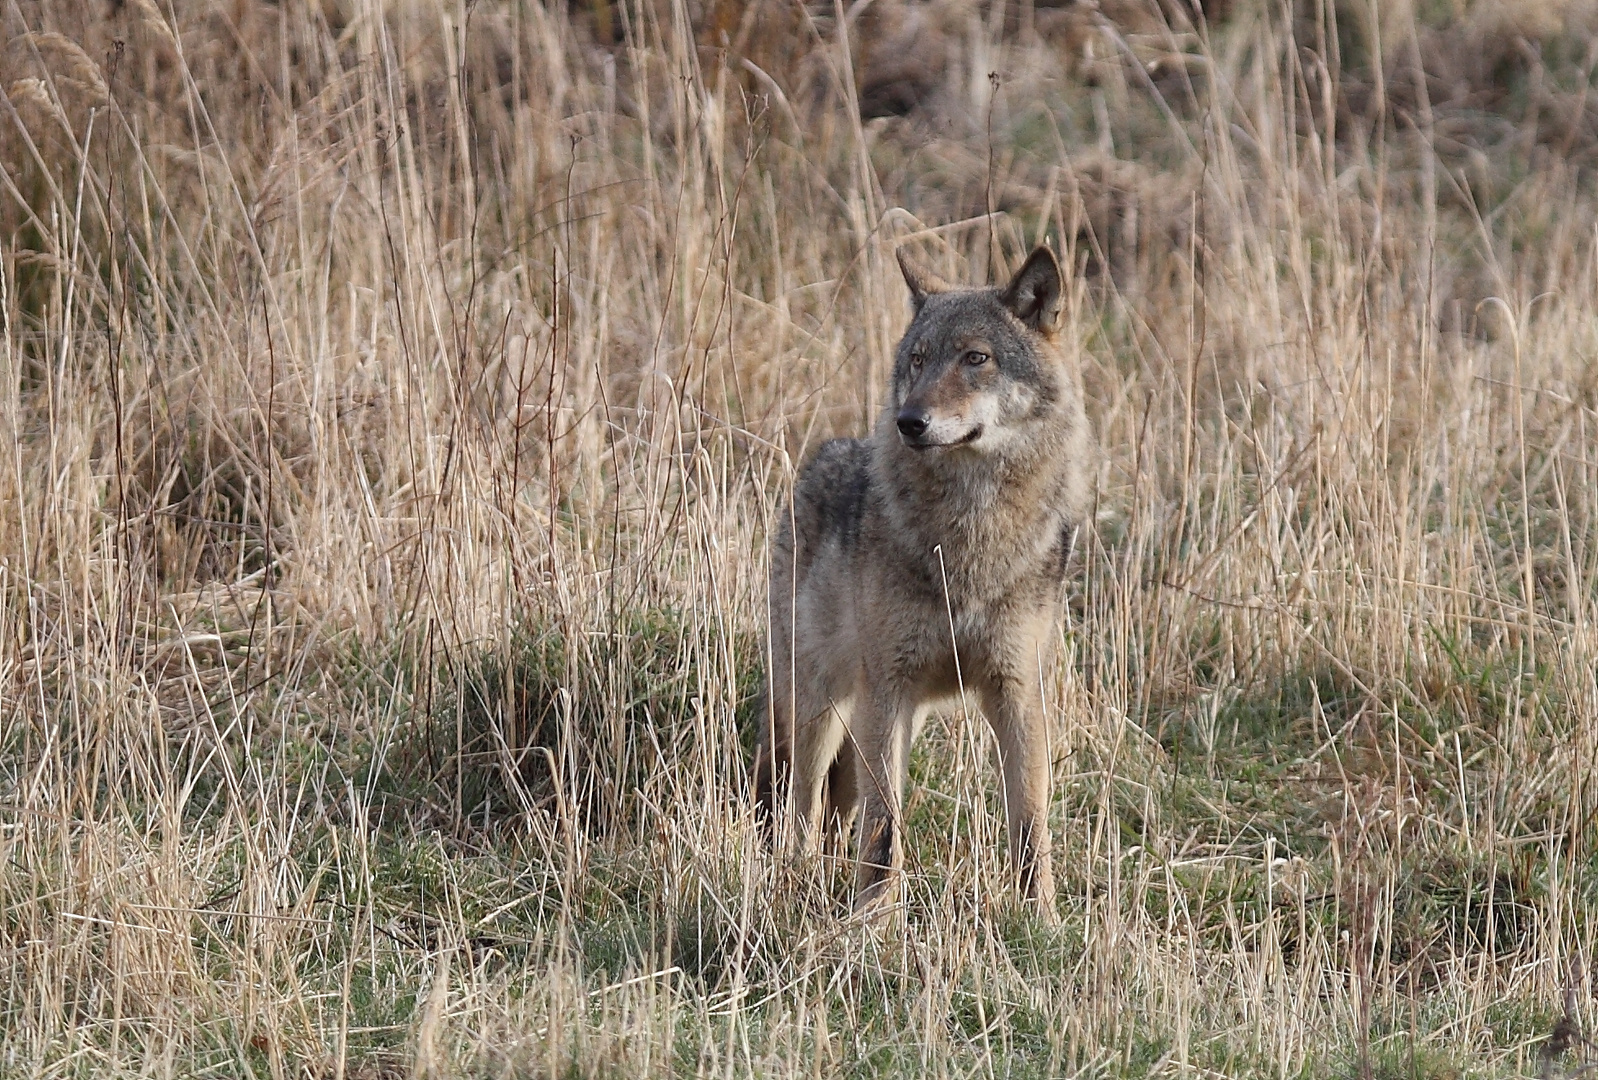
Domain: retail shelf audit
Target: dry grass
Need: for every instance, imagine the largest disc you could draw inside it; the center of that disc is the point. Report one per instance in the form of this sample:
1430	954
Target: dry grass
394	402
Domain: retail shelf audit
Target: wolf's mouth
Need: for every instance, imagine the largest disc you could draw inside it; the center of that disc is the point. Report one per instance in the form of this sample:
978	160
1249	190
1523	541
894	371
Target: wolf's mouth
969	437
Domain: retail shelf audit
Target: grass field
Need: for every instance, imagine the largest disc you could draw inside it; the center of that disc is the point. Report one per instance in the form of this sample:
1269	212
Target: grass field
396	399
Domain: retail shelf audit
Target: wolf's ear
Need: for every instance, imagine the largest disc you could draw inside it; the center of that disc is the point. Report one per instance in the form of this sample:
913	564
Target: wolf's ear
1035	294
923	282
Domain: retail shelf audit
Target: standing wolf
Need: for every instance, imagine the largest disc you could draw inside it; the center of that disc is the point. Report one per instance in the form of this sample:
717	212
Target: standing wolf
928	560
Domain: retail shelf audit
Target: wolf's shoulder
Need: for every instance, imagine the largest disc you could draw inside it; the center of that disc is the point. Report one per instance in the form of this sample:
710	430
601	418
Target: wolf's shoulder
830	496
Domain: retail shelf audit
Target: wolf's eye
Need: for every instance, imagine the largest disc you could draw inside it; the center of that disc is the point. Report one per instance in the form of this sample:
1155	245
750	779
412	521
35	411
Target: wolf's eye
915	361
976	358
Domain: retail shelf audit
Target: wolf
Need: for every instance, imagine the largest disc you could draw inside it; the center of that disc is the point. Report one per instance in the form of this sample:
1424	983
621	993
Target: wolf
926	564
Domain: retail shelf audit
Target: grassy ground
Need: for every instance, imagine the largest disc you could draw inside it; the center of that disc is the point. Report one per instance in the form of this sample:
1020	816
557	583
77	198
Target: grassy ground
395	399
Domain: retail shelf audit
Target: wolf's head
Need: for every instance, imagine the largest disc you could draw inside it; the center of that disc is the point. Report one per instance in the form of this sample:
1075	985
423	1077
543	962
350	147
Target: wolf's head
979	368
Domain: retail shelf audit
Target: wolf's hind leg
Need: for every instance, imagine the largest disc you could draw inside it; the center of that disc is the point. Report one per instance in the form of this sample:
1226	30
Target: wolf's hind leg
842	800
883	740
773	755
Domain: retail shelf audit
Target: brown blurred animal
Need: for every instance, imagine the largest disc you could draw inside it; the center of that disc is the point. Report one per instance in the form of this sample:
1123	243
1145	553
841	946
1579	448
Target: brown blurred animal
925	563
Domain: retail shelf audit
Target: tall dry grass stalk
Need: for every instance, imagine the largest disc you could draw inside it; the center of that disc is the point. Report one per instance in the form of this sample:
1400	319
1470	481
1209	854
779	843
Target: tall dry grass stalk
396	398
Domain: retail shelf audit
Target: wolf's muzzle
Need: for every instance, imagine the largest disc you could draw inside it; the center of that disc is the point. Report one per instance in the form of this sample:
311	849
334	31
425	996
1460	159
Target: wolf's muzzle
915	431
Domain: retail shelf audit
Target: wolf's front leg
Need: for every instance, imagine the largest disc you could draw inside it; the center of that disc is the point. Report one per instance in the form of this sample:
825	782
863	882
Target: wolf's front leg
1015	709
882	732
816	744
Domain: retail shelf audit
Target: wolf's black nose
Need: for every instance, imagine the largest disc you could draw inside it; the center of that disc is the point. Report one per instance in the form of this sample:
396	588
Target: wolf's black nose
913	424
